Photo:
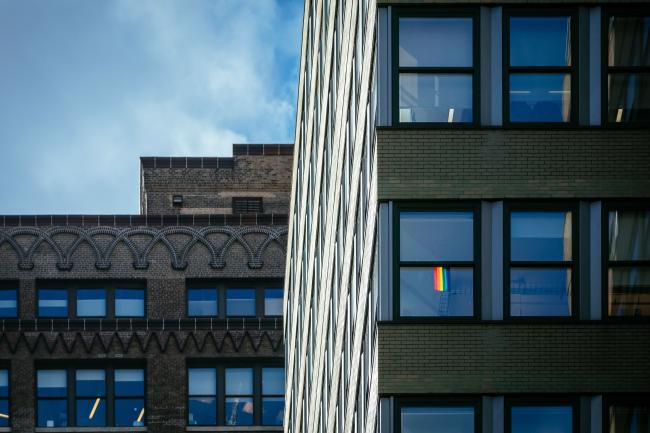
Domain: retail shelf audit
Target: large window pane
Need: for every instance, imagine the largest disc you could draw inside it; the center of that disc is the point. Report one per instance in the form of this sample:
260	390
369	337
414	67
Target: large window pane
629	97
542	419
273	381
445	419
240	302
272	410
445	98
273	302
202	411
4	398
202	404
542	236
239	381
239	411
8	302
540	292
202	381
540	41
52	302
91	302
437	291
629	41
629	419
436	236
202	302
90	383
629	291
435	42
52	413
129	412
129	303
52	383
129	382
91	412
629	235
540	97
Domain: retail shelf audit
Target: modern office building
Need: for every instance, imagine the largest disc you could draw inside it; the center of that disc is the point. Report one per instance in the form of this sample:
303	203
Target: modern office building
469	233
166	321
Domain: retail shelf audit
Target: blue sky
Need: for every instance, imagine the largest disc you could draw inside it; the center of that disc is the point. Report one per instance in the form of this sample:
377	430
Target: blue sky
89	86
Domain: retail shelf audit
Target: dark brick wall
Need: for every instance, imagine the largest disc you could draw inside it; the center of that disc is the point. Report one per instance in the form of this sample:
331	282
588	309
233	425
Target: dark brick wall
513	358
494	164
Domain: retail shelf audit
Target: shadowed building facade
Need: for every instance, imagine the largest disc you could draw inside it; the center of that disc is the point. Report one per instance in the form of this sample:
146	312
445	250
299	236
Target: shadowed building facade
166	321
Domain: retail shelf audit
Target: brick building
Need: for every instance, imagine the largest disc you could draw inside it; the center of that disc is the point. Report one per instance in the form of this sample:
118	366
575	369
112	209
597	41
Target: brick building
166	321
469	236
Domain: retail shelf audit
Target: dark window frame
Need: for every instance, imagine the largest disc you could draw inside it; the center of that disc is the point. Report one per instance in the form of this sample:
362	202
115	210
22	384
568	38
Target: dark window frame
220	365
607	13
475	209
70	368
6	285
438	401
574	264
5	365
71	287
263	395
541	400
258	284
627	399
457	12
573	70
247	205
606	208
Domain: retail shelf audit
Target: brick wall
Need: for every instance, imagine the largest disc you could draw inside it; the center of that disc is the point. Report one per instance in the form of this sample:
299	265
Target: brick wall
513	358
493	164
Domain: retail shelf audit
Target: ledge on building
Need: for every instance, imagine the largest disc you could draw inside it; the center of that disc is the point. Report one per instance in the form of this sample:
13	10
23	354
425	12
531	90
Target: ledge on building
233	429
89	429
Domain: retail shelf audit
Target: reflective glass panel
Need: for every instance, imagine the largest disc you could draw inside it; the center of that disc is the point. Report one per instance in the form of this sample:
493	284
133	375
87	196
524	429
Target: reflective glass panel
629	419
629	97
540	97
129	382
8	302
436	292
239	411
542	419
272	410
544	236
540	41
436	236
52	302
202	381
91	412
437	98
273	302
629	41
273	381
129	303
90	383
445	419
52	383
91	302
239	381
202	302
202	411
240	302
540	292
435	42
4	383
629	291
629	235
52	413
129	412
4	413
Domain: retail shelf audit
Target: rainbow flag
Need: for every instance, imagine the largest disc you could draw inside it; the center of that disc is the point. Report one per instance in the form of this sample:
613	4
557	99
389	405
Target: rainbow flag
440	279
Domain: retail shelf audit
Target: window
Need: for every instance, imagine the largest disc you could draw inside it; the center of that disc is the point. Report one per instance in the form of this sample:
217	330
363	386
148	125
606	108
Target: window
628	414
627	49
540	415
540	262
52	303
436	264
100	397
452	416
201	302
435	69
8	302
202	400
273	301
239	396
4	398
107	300
540	53
272	396
247	205
240	302
628	262
129	302
91	302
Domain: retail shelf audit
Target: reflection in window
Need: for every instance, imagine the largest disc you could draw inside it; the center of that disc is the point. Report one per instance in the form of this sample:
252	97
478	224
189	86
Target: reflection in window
628	60
201	302
535	93
541	419
129	303
446	419
129	398
8	302
52	393
629	418
436	271
240	302
239	396
541	263
202	391
436	69
91	398
91	302
4	398
52	302
273	302
272	396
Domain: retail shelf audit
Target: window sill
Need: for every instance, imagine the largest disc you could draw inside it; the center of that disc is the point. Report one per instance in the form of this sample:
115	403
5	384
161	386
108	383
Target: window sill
90	429
243	428
5	429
